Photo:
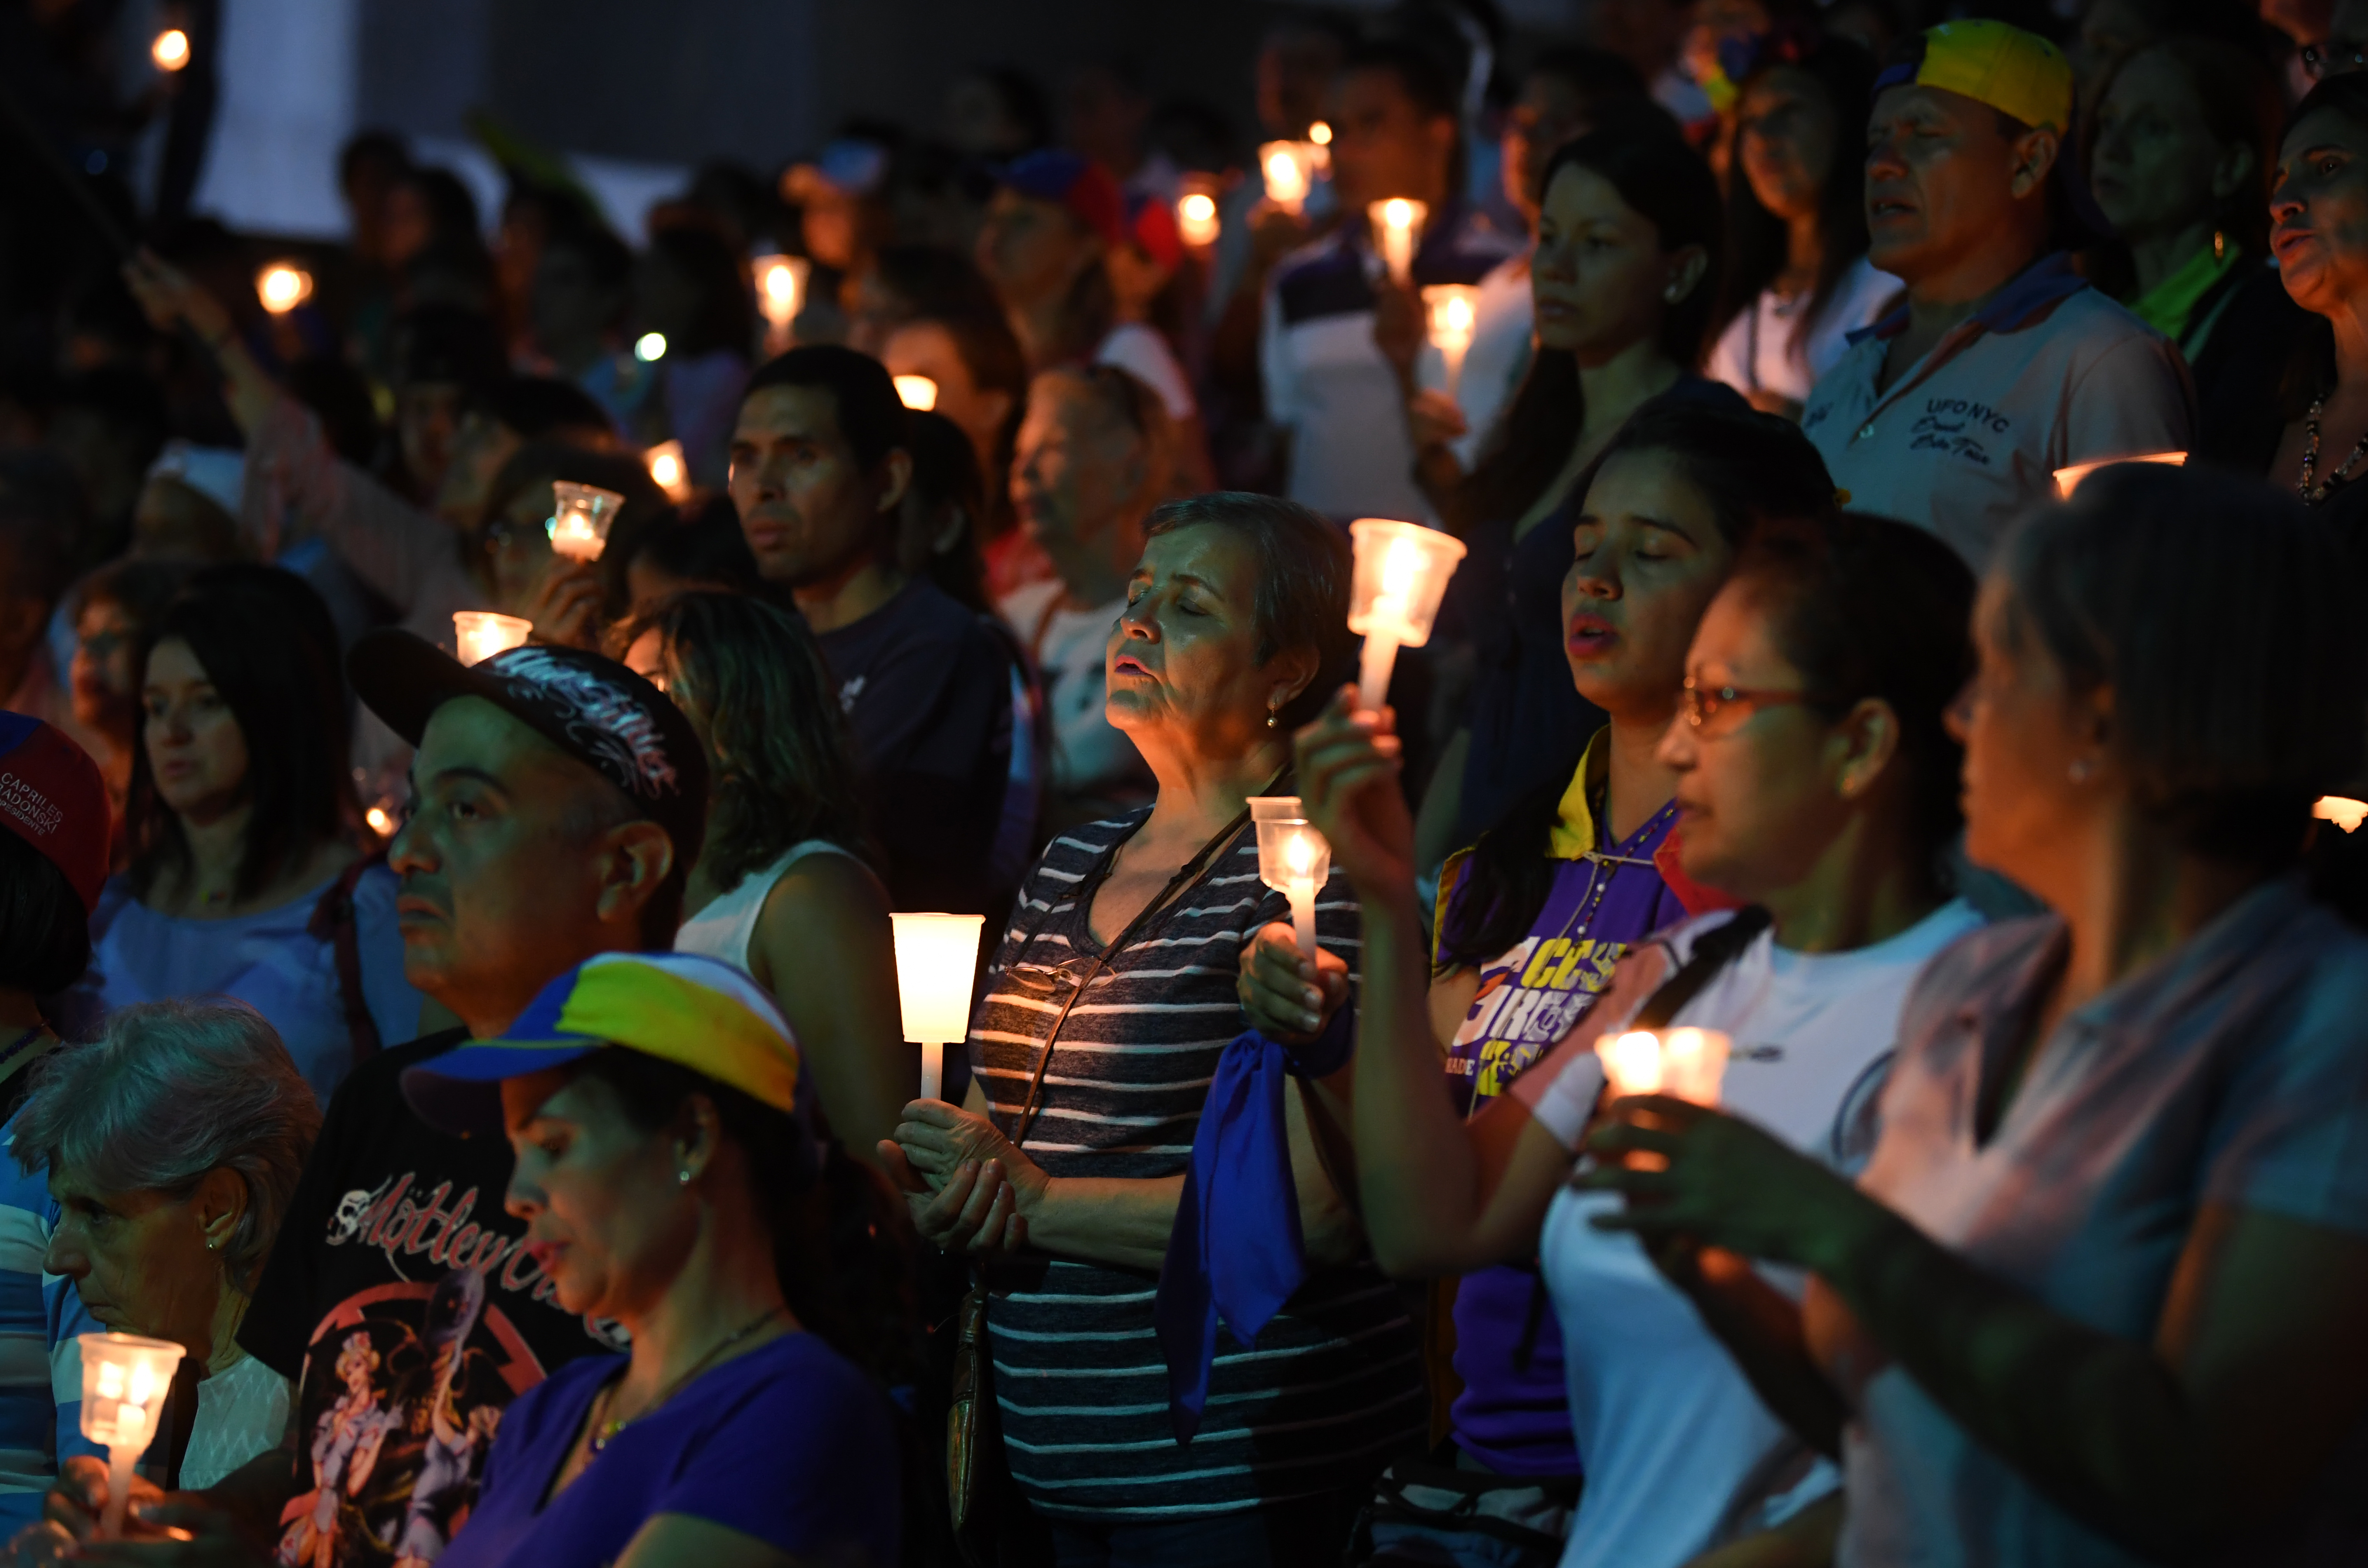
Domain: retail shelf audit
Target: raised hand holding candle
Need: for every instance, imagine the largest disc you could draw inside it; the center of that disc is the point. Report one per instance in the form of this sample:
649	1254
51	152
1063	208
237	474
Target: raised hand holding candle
124	1382
937	957
479	635
1293	859
1397	223
669	470
580	520
1402	571
1454	311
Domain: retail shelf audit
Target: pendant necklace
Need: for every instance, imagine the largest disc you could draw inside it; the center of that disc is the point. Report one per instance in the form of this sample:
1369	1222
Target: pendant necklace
2313	495
607	1430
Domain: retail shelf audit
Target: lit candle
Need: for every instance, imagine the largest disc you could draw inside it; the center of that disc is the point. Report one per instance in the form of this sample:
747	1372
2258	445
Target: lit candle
1289	168
936	959
2345	813
580	517
781	291
479	635
124	1382
171	50
1685	1062
2067	480
1402	571
1455	313
282	286
380	819
669	470
1395	224
1293	859
917	392
1197	220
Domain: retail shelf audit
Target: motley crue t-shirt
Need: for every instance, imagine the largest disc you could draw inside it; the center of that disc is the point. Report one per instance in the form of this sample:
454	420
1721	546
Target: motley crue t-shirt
399	1299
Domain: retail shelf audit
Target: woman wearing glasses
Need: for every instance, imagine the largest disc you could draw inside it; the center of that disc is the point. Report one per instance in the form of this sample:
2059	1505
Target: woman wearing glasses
1815	779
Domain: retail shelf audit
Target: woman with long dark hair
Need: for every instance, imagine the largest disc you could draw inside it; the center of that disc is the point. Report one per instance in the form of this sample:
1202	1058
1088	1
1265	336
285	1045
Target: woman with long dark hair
1797	278
243	831
779	887
1628	259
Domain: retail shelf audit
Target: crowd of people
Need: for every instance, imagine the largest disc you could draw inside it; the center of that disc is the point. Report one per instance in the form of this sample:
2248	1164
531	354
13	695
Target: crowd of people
1907	632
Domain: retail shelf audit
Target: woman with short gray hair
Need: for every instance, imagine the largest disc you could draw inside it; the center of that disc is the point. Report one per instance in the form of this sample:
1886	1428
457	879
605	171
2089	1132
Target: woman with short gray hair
173	1144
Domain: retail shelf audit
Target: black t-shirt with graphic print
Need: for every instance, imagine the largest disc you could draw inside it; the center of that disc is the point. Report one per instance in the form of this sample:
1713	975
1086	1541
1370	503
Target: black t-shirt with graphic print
399	1299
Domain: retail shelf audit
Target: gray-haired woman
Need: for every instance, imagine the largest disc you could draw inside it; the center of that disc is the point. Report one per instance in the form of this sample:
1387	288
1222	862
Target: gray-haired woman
173	1144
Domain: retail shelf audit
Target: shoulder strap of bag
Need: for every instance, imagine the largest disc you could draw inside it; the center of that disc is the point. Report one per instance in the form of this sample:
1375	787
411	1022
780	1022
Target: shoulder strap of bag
336	921
1714	951
1185	876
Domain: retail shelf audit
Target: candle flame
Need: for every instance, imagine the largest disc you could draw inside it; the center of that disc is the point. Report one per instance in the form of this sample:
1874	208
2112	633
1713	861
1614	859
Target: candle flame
381	822
144	1385
667	470
1320	134
1299	855
282	286
780	283
1398	212
2347	814
1401	569
1633	1062
918	392
1197	207
110	1381
171	50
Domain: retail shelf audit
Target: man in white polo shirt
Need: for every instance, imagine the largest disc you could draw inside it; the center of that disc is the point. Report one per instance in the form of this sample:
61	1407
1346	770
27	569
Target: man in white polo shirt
1954	412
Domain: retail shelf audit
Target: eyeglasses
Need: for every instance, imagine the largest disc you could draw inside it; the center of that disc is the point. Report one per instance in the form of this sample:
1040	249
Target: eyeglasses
1701	704
2336	57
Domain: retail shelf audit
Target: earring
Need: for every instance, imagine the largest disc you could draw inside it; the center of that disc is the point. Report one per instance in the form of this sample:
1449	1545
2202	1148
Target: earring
682	1179
213	1244
2080	771
2219	245
1272	708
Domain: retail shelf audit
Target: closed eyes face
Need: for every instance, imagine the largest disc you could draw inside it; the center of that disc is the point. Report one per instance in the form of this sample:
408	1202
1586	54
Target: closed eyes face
1648	555
600	1196
1181	665
1940	180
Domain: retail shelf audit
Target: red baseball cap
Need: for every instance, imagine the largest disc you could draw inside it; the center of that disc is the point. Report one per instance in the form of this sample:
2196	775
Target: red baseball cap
1085	189
51	797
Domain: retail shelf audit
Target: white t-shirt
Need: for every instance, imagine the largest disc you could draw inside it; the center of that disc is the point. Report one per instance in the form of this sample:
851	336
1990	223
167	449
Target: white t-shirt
1680	1453
1504	317
1069	647
1142	353
1756	351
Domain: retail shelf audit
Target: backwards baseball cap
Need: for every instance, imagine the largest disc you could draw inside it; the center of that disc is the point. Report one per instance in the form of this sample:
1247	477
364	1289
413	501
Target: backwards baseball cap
1085	187
51	797
1151	224
215	472
685	1009
2018	73
594	708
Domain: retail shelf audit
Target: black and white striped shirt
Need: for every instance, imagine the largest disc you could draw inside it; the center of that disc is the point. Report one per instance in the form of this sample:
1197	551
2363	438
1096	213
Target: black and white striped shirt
1333	1387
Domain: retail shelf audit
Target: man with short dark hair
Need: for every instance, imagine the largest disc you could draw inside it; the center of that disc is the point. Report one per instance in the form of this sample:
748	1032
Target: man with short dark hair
558	801
1328	386
2004	365
818	468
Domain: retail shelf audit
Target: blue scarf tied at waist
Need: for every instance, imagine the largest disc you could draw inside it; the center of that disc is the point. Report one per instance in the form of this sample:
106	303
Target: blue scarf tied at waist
1244	1269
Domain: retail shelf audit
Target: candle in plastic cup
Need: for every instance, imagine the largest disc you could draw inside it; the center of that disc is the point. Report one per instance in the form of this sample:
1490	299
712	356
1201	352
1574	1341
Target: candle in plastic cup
1293	859
2067	480
937	957
1196	219
1402	571
2343	811
124	1382
917	392
1397	223
1685	1062
669	470
1455	313
479	635
781	291
1289	171
580	518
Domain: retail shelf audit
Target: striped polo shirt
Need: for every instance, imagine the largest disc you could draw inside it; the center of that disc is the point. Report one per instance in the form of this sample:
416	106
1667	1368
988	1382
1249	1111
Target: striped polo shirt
1332	1388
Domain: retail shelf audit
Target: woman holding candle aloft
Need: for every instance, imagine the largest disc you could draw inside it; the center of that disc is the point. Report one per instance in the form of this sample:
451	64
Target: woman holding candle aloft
780	887
2096	1297
1813	779
1066	1163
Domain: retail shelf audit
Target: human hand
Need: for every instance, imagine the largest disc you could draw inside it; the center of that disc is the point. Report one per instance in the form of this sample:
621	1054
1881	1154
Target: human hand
1288	998
976	1211
1399	327
1433	419
1726	1185
1275	232
168	297
79	1496
1347	763
565	607
945	1147
182	1532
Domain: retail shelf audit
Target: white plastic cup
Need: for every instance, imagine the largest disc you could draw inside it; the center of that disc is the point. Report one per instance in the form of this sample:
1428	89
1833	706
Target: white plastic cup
937	957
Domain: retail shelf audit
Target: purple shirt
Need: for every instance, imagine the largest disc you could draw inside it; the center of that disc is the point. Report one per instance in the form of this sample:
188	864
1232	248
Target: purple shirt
1513	1420
788	1443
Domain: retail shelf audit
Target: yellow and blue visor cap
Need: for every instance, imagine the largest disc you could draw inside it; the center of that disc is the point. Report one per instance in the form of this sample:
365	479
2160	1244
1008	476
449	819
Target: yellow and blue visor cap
696	1012
2018	73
